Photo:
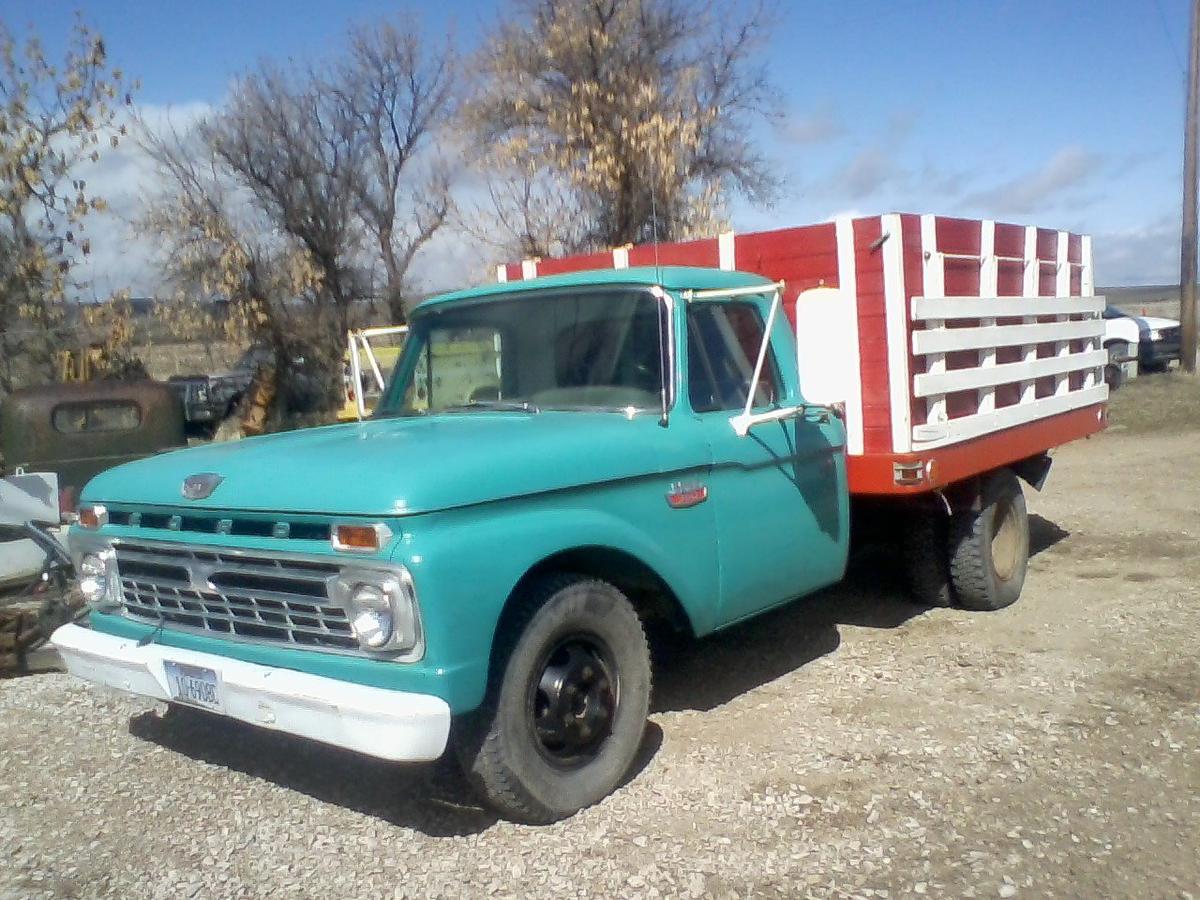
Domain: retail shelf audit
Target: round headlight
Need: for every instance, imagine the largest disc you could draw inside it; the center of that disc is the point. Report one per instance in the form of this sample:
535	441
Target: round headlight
93	578
372	622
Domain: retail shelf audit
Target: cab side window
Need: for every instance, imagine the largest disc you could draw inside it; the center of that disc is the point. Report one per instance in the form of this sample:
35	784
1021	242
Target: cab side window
723	343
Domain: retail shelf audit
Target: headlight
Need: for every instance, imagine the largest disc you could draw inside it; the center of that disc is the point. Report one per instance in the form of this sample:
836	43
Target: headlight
94	577
372	622
382	609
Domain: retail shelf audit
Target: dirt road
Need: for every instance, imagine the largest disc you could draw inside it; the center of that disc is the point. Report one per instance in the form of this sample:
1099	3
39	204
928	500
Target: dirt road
852	745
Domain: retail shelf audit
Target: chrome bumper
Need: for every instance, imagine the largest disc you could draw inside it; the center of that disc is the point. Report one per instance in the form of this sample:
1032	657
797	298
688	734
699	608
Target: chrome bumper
392	725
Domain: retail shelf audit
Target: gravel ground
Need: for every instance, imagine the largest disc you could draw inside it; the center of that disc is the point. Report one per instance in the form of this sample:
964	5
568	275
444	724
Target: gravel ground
851	745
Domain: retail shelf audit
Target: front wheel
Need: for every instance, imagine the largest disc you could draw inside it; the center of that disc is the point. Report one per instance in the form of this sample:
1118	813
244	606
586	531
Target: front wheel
567	705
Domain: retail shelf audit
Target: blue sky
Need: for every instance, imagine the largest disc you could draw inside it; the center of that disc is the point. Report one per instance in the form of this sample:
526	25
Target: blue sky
1067	114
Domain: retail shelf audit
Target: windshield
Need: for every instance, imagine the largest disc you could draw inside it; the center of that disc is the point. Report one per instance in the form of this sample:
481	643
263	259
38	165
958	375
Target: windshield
583	350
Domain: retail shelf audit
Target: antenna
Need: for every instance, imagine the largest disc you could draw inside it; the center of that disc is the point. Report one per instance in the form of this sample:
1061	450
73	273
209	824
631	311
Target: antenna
654	226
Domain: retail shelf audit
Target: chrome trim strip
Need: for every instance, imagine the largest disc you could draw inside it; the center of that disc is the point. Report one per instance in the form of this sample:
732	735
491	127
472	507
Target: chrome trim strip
715	293
671	376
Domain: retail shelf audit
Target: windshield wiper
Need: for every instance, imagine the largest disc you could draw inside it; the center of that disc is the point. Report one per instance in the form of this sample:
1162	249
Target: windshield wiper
495	405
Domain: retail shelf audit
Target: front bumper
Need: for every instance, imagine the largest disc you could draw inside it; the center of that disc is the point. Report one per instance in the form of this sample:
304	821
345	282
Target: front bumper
1158	353
391	725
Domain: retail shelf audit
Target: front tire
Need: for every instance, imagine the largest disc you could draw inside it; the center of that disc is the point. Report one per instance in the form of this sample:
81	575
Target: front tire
567	703
989	547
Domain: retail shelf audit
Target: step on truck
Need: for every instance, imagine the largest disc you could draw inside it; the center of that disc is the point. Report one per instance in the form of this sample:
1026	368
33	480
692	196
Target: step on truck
679	434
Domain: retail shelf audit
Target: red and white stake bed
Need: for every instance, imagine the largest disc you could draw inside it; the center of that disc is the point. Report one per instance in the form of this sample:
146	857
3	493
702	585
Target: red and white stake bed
958	346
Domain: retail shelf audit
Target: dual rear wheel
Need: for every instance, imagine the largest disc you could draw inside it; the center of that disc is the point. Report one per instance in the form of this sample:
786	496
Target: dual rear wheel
975	558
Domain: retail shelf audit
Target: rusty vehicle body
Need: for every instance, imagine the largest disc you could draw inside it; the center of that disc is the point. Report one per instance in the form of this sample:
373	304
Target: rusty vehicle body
77	430
62	435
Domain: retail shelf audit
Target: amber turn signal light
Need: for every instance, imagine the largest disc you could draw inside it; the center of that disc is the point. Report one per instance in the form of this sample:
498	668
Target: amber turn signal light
360	538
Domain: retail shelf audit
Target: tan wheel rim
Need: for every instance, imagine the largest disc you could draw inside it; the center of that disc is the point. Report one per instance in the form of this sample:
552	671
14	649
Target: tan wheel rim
1006	542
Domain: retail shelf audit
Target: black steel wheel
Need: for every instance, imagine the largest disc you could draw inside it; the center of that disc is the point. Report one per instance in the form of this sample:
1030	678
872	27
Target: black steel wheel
567	703
573	704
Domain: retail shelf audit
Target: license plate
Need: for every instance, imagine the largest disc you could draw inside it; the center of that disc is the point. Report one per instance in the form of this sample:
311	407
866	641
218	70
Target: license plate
194	685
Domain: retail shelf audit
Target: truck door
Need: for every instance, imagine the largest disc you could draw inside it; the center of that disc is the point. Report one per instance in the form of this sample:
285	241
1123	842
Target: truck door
779	493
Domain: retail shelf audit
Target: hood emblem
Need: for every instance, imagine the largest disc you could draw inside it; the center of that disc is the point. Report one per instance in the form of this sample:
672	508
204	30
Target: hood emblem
200	485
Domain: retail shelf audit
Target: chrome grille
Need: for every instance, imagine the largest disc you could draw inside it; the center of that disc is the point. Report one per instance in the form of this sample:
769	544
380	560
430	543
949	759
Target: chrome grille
247	595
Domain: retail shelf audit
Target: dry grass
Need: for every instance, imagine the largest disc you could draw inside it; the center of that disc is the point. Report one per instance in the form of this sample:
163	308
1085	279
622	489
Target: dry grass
1167	403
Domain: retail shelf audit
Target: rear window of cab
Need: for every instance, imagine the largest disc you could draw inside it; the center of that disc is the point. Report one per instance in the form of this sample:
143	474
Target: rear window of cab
77	418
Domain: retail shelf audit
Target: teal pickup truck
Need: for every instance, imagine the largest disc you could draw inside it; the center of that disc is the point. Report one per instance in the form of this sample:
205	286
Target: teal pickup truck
555	465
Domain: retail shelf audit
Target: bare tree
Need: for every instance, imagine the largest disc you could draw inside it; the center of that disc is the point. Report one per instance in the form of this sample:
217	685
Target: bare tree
216	243
397	96
640	108
294	151
317	181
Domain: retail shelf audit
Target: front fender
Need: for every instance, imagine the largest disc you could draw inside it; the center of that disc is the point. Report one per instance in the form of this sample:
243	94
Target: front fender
466	563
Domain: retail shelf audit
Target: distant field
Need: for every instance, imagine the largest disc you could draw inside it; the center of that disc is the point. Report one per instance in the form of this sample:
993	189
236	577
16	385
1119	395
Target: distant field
164	360
1152	403
1148	300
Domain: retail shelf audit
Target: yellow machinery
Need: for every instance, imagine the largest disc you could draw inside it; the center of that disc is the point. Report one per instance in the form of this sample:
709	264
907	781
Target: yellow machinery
371	354
80	365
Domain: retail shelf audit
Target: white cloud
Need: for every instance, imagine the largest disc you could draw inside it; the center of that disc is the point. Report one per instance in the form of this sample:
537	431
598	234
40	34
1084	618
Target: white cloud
819	127
124	177
869	173
1071	168
1147	254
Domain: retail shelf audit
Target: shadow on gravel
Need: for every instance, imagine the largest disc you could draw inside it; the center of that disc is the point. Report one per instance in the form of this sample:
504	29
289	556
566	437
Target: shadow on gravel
704	674
433	798
1044	534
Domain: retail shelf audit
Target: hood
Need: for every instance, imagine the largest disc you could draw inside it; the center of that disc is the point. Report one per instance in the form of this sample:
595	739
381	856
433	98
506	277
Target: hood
1155	323
395	467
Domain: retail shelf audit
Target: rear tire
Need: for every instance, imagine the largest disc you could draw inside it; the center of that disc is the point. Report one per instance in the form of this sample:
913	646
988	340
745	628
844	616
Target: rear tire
567	703
926	566
989	547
